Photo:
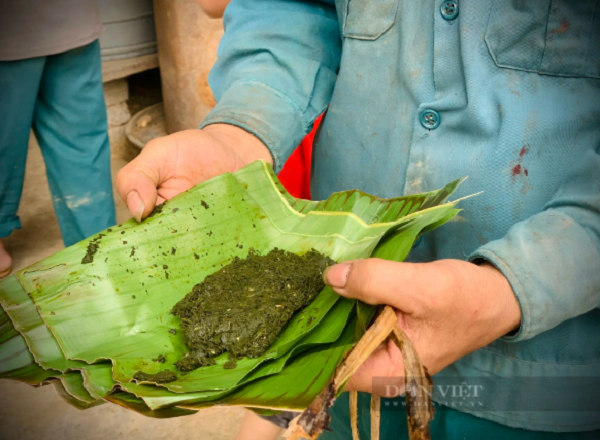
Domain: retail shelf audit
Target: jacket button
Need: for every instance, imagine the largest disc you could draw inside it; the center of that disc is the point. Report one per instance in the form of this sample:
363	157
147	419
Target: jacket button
449	9
430	119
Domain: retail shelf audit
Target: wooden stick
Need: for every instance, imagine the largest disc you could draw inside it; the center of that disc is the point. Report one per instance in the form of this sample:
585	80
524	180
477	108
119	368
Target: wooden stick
354	414
315	418
375	416
417	385
375	335
419	409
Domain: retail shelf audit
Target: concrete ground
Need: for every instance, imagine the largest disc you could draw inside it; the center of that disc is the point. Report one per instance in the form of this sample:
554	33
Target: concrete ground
28	413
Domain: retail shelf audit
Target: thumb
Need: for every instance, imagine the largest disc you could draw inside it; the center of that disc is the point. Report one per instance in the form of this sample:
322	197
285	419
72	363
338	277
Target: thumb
137	187
373	281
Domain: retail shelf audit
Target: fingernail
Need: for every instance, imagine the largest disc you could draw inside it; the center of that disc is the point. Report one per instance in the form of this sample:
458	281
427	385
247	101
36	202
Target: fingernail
337	275
135	205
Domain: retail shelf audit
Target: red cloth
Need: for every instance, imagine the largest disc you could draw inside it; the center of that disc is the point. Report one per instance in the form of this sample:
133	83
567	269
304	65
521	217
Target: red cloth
295	174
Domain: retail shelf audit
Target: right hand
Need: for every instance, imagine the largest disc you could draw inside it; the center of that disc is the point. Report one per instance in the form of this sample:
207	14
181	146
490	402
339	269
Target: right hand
172	164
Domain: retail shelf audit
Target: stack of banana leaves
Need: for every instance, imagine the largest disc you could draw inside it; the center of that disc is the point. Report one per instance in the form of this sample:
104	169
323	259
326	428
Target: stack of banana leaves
92	316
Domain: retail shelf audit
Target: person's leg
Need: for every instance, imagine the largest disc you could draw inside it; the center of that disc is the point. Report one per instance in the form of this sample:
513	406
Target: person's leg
71	128
19	83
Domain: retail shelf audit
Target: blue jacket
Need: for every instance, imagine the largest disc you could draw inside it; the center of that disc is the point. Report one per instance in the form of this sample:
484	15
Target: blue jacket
421	93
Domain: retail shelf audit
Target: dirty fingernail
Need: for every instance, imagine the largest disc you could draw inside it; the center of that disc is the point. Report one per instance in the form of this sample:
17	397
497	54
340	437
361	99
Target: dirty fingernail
337	275
135	205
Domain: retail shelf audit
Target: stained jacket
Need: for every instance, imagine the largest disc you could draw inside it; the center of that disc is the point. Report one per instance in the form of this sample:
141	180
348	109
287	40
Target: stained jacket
421	93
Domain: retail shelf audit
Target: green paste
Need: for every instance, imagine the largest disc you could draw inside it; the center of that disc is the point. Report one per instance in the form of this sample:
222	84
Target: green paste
92	248
156	210
164	376
242	307
161	359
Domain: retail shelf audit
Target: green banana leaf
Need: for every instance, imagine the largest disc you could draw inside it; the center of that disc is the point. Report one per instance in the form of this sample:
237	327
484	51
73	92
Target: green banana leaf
72	383
67	395
16	360
19	363
318	360
7	330
98	377
133	403
101	322
27	321
156	397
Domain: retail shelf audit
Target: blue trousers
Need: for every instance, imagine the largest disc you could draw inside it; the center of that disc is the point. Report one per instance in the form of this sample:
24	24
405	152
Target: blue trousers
61	98
447	424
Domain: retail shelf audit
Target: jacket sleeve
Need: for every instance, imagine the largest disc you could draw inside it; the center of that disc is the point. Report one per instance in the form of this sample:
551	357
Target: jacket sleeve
552	259
277	65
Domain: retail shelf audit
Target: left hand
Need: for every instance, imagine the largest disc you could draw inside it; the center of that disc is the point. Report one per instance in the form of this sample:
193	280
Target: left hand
448	309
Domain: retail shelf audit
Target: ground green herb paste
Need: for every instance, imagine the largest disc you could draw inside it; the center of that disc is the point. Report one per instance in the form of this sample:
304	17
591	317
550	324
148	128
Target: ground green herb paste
92	248
242	307
89	255
164	376
156	210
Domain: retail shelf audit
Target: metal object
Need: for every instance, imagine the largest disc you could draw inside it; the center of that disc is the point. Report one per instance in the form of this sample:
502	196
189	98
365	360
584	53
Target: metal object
145	125
128	29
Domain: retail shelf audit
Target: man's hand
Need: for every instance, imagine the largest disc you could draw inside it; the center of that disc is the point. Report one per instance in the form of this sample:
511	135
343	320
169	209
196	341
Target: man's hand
448	309
172	164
